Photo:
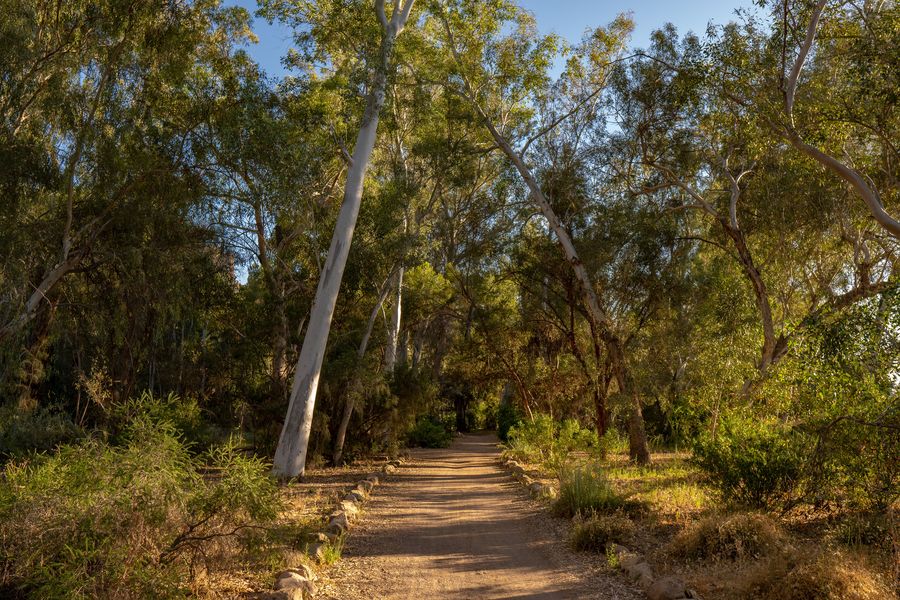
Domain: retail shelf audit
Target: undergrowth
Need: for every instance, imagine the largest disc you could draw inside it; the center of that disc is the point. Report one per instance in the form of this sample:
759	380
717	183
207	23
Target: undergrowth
133	520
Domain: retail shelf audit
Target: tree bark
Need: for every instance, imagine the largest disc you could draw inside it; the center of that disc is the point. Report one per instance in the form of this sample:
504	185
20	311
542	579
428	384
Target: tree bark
290	455
393	333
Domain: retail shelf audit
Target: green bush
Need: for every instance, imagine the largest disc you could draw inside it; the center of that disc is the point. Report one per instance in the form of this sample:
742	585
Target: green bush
549	442
596	532
507	418
181	415
584	490
128	521
39	430
429	432
753	463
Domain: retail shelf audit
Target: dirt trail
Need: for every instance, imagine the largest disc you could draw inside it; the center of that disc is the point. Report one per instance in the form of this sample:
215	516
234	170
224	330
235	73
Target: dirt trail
452	524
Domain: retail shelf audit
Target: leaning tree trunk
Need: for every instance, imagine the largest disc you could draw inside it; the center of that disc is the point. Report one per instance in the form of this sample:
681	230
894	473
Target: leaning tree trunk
290	455
638	450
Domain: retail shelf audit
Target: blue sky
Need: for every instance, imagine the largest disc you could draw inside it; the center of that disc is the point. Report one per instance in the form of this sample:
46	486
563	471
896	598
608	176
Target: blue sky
568	18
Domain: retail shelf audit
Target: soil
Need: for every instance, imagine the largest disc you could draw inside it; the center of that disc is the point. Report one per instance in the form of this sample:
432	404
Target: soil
451	524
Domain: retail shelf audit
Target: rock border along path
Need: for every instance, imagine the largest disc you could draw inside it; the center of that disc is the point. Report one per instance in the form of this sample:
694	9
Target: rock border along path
298	583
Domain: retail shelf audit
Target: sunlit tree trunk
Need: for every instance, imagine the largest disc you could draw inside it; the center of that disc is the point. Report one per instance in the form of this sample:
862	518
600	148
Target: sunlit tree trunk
290	455
393	333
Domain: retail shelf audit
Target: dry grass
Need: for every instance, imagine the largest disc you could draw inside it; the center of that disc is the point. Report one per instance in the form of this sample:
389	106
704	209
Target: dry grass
746	555
729	537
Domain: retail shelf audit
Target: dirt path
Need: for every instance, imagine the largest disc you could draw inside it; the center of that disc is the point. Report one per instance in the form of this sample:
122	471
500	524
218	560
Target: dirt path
452	524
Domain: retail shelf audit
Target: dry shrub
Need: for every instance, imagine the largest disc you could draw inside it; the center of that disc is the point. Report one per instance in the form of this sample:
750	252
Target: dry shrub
596	532
828	575
739	536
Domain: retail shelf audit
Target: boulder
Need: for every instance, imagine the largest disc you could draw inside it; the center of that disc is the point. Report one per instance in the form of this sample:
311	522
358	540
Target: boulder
388	469
667	588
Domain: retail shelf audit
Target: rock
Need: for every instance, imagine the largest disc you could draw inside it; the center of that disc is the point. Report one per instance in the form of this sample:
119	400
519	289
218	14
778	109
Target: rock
286	594
388	469
296	589
639	570
316	551
338	523
304	571
350	508
354	496
629	559
536	488
667	588
331	536
288	579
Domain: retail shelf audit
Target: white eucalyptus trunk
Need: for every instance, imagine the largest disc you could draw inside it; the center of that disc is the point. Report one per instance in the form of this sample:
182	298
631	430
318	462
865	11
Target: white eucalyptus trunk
290	455
393	333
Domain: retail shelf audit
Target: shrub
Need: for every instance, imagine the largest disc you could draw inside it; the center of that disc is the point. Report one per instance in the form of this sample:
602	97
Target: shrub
39	430
753	463
128	521
429	432
585	490
507	418
596	532
181	415
548	442
747	535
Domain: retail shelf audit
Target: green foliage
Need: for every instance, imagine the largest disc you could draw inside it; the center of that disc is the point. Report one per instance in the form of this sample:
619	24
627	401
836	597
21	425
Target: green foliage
548	442
507	418
754	463
597	532
128	521
429	432
585	490
38	430
172	412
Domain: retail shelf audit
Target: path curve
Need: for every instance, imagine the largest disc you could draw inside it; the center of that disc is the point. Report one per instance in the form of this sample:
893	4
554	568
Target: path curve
451	524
